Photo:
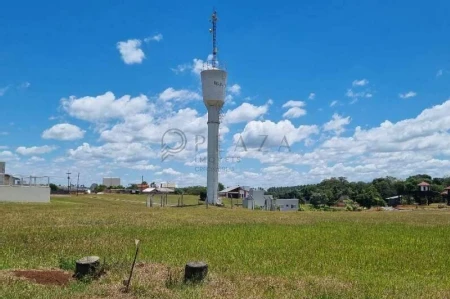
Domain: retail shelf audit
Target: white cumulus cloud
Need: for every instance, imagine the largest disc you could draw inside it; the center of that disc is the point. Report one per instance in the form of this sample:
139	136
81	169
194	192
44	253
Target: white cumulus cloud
169	171
118	152
277	134
131	51
293	104
104	107
234	89
35	150
63	131
294	112
36	159
244	113
195	67
337	124
178	95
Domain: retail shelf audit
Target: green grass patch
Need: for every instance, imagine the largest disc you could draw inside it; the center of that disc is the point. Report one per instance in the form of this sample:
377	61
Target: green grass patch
250	253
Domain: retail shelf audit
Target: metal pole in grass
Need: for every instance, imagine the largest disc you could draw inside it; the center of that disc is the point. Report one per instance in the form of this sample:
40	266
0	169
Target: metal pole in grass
132	266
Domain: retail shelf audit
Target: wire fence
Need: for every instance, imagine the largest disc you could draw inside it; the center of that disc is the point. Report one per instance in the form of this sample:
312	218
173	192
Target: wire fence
24	180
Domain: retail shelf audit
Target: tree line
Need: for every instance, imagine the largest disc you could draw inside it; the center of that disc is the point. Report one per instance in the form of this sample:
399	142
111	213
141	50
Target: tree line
367	194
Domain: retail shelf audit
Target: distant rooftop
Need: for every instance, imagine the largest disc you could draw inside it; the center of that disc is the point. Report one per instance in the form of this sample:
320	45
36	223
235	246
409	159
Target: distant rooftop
246	188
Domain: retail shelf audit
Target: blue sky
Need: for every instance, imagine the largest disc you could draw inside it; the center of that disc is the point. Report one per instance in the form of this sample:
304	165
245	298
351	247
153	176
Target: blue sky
106	79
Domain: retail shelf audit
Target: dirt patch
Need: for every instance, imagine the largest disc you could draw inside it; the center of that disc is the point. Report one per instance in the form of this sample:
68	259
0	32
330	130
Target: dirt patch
45	277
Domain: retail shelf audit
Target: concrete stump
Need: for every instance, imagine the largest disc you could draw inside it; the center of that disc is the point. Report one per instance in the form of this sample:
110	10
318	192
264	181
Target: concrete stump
195	271
88	265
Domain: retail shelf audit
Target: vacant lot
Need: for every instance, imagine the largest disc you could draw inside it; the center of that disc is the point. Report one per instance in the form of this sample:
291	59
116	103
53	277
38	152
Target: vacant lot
251	254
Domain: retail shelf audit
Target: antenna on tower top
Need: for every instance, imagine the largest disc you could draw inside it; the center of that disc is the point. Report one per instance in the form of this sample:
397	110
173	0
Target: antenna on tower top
213	31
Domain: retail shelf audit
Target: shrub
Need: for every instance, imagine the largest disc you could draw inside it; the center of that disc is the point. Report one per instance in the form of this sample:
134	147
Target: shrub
351	205
66	263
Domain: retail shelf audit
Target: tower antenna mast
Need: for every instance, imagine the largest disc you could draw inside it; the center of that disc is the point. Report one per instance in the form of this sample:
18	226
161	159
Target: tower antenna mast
213	30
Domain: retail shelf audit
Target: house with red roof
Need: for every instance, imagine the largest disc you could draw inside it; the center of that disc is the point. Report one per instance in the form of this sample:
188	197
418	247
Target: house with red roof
424	186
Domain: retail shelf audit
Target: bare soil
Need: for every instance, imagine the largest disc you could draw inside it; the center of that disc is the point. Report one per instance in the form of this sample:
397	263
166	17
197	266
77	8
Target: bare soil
45	277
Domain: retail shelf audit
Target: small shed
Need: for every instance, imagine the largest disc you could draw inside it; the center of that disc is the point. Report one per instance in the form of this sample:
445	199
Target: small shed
394	200
287	204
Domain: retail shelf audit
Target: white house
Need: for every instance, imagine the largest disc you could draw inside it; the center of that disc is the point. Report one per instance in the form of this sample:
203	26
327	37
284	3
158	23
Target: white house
287	204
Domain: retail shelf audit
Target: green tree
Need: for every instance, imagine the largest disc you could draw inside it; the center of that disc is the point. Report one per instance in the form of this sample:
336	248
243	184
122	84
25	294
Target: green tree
370	197
318	200
221	186
203	195
133	186
385	186
53	187
100	188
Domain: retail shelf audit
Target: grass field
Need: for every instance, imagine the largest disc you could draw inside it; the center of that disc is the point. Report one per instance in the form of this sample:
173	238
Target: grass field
251	254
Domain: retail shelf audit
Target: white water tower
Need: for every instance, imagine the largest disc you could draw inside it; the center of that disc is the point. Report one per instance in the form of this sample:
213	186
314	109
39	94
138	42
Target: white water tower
214	82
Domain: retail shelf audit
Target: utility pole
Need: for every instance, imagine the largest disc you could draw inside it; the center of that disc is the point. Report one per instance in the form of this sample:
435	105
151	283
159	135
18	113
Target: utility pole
68	181
142	182
78	181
